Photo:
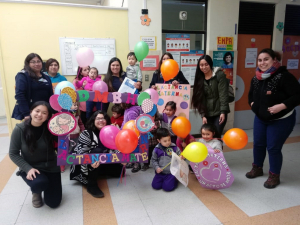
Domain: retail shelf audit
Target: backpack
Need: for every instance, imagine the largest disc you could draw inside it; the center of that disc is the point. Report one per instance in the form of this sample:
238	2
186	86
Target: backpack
231	96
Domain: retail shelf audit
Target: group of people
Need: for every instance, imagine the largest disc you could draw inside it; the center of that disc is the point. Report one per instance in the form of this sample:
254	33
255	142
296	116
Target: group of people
273	95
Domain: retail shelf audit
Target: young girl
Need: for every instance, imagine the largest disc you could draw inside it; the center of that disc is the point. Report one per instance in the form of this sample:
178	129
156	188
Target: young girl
208	133
167	117
90	80
81	73
183	142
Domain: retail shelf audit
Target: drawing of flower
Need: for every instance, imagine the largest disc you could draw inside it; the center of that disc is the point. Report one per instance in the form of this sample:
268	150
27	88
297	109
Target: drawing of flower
145	20
280	26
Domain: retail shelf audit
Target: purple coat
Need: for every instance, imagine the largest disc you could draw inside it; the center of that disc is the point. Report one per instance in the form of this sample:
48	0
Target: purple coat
131	114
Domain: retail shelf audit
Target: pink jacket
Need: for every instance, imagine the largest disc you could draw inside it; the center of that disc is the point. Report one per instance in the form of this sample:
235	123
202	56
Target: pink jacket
82	105
187	140
89	85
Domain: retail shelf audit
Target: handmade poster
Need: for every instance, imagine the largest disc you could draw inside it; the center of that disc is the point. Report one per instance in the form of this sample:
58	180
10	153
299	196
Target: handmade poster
127	86
62	124
224	59
177	43
189	61
213	172
225	43
179	169
180	94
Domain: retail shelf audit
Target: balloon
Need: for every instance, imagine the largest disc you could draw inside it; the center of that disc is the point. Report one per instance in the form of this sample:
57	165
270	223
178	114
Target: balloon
84	56
69	91
153	111
100	86
108	136
181	126
54	103
195	152
65	101
169	69
153	95
142	97
126	141
141	50
235	138
147	105
62	85
130	125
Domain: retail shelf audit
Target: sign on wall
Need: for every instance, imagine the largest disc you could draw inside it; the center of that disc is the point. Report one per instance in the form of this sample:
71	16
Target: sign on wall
178	42
225	43
224	59
151	41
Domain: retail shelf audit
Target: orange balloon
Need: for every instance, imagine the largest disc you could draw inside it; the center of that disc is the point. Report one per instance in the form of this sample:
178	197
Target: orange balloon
181	126
126	141
235	138
169	69
130	125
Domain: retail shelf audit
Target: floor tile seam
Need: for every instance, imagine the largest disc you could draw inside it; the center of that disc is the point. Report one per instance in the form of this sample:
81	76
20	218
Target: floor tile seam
21	207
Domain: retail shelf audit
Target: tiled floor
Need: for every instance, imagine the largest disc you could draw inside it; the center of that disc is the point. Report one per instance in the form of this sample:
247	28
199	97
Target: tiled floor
245	202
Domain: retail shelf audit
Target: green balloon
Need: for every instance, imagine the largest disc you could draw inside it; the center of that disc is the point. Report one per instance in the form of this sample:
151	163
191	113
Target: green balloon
142	97
141	50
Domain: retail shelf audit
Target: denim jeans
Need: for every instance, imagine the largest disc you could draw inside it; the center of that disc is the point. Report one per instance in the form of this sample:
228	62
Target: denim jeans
90	106
270	136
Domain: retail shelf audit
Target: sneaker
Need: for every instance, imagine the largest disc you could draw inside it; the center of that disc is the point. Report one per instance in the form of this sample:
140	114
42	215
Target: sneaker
37	200
95	191
255	172
144	167
272	181
129	165
136	168
62	168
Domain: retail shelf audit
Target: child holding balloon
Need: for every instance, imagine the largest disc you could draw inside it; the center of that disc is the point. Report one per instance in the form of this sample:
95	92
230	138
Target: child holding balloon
208	136
166	118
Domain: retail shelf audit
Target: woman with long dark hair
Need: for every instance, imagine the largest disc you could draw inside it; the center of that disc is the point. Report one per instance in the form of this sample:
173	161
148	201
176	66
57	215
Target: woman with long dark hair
157	76
32	85
210	93
32	149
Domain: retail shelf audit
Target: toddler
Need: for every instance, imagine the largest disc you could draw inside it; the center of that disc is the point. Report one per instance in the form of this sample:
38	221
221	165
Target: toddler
167	117
208	136
133	72
183	142
117	115
161	157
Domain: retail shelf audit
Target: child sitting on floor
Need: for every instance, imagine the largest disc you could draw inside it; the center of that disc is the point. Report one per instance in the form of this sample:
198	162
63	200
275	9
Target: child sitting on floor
208	136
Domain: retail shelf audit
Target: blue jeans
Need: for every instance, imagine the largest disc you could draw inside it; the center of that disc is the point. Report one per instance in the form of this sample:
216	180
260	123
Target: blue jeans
90	106
270	136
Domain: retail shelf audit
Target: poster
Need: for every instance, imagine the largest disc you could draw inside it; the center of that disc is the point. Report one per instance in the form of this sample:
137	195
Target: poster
150	63
179	169
224	60
151	41
180	94
292	64
225	43
178	42
251	55
189	61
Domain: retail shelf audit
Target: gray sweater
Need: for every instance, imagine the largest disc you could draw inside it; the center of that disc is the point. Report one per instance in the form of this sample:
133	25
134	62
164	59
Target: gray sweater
213	143
134	73
43	158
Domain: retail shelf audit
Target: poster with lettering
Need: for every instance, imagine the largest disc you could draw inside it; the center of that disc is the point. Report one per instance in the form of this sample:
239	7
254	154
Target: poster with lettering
225	43
213	172
178	42
224	59
189	62
180	94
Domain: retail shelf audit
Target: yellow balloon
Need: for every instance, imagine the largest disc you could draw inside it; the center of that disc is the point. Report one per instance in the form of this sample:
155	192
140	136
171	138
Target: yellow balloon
70	92
195	152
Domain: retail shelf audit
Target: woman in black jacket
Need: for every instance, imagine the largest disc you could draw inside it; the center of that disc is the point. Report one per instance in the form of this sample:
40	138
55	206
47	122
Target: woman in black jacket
157	76
273	96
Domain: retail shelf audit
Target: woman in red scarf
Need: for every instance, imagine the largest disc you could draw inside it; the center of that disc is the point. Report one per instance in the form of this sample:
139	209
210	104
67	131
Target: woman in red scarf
273	96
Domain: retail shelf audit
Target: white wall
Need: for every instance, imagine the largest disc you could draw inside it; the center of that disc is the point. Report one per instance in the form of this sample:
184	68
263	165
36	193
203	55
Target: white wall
2	105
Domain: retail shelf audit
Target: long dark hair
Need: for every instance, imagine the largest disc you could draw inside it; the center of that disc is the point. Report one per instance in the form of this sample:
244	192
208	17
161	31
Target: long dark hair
274	55
198	99
109	75
90	125
210	127
79	76
161	61
29	136
227	54
27	65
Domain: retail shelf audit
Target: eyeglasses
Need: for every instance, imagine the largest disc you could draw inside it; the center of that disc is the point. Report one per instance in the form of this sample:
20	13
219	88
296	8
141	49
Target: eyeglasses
204	65
100	119
35	62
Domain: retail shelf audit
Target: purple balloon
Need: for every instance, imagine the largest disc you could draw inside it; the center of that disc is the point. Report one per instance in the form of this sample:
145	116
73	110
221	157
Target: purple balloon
84	57
100	86
153	94
108	135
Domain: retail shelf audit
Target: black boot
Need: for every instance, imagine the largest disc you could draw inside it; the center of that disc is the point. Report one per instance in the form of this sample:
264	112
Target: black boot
92	186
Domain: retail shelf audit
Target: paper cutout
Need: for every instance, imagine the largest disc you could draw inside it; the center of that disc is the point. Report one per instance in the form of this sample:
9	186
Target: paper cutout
62	124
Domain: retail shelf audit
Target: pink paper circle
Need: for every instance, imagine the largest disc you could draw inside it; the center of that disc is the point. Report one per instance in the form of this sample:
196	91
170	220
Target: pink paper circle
147	105
54	103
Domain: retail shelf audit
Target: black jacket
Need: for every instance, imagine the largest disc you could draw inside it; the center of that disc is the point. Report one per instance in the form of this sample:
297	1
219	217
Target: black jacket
158	79
280	87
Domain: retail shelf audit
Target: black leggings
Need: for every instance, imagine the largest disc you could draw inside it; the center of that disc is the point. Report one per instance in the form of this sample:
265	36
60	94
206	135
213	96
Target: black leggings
49	183
215	120
113	170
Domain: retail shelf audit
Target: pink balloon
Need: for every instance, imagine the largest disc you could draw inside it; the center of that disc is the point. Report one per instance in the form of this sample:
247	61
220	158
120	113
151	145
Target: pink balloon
154	95
54	103
84	57
108	135
100	86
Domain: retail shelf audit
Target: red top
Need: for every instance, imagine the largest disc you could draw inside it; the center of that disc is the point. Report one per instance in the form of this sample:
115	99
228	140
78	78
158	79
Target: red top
117	121
187	140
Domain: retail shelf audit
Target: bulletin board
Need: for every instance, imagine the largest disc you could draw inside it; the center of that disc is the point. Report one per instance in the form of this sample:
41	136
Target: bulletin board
104	50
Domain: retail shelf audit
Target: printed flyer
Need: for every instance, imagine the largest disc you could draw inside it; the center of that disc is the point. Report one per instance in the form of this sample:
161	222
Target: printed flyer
224	60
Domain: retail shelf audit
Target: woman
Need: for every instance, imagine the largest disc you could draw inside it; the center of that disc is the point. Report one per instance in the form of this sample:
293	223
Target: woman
52	67
81	73
113	78
32	85
38	160
228	61
89	142
157	76
210	94
273	96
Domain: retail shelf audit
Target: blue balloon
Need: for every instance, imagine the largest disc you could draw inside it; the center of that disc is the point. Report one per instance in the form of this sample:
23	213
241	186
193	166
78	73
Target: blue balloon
62	85
153	111
65	101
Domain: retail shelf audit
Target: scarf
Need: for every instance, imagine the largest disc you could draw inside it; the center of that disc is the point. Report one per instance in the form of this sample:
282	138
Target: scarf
264	75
